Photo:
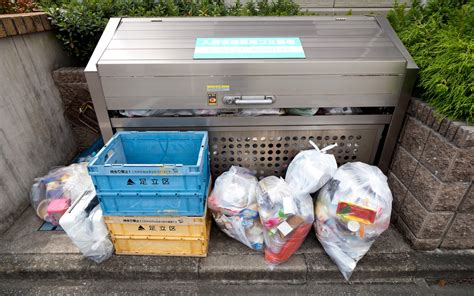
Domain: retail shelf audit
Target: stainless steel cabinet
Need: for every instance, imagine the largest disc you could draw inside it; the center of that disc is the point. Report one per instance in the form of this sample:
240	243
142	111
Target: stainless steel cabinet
147	63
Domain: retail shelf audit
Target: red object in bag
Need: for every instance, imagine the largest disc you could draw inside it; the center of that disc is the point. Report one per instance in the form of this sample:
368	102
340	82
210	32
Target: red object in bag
290	247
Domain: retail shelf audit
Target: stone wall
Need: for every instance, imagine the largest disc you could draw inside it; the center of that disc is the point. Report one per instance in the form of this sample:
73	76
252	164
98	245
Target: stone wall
72	86
34	136
431	180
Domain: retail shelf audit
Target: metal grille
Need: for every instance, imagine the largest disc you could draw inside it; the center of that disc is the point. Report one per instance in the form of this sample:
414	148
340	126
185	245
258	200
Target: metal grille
270	152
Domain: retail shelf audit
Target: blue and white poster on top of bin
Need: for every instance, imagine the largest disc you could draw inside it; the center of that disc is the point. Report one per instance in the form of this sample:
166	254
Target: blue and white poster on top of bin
249	48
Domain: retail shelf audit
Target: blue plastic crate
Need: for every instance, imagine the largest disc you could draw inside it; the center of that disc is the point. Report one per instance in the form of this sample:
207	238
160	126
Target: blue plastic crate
166	172
187	203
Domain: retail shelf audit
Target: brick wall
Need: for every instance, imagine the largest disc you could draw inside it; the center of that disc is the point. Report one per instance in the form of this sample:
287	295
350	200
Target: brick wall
431	180
23	23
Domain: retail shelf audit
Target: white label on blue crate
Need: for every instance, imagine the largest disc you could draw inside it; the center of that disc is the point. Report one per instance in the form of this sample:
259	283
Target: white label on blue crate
155	220
249	48
161	171
146	181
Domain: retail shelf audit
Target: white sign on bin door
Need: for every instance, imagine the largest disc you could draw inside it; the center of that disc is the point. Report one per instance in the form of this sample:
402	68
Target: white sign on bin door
249	48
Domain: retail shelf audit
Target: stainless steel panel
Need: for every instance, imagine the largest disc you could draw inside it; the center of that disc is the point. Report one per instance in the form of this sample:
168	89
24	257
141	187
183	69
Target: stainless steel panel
269	152
323	41
288	32
93	80
136	87
291	101
244	19
254	67
192	122
404	98
385	25
366	53
199	26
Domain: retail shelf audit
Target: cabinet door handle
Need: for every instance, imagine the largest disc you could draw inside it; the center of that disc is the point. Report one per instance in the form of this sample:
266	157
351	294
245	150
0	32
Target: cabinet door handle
249	100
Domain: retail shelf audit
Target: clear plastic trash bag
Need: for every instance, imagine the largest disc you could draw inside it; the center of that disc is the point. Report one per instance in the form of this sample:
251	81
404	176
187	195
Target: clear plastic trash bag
286	216
302	111
260	112
311	169
52	194
233	202
84	224
243	229
352	210
169	112
342	110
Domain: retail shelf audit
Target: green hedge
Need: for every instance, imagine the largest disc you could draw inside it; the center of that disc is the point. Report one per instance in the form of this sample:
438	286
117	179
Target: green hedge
440	37
80	23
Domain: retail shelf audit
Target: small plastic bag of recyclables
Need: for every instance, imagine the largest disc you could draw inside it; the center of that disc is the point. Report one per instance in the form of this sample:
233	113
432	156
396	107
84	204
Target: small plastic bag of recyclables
52	194
311	169
352	210
233	202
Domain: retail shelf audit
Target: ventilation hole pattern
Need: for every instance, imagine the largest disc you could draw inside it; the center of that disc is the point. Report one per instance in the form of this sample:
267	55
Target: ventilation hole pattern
271	155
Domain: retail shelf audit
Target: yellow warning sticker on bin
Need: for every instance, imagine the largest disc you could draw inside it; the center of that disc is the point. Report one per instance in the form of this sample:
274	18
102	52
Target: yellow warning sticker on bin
218	87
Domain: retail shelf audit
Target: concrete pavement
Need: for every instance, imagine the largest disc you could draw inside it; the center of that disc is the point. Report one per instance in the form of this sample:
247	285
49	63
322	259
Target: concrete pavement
38	261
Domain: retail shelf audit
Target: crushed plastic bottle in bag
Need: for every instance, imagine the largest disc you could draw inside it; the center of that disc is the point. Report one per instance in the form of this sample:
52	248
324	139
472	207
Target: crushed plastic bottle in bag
52	194
352	210
233	203
286	216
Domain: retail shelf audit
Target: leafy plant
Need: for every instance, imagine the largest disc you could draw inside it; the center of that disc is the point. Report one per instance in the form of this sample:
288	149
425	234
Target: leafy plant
440	37
80	23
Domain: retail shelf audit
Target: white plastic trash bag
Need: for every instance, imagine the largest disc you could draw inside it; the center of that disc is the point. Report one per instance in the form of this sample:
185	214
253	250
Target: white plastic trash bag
286	216
311	169
352	210
233	202
85	226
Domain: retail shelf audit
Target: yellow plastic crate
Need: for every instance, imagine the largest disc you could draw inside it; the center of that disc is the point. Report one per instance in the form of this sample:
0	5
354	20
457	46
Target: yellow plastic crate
157	226
163	245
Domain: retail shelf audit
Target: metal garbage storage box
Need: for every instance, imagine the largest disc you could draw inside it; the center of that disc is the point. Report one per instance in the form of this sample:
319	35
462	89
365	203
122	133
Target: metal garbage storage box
356	62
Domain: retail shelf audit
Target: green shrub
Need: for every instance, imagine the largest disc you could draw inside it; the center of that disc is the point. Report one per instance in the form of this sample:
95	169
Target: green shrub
80	23
440	37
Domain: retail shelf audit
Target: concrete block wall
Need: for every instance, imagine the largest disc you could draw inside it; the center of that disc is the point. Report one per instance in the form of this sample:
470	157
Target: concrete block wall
431	180
34	136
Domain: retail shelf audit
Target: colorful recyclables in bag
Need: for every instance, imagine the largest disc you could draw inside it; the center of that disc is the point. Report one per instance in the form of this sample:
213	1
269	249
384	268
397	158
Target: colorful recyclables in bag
286	217
52	194
233	202
352	210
